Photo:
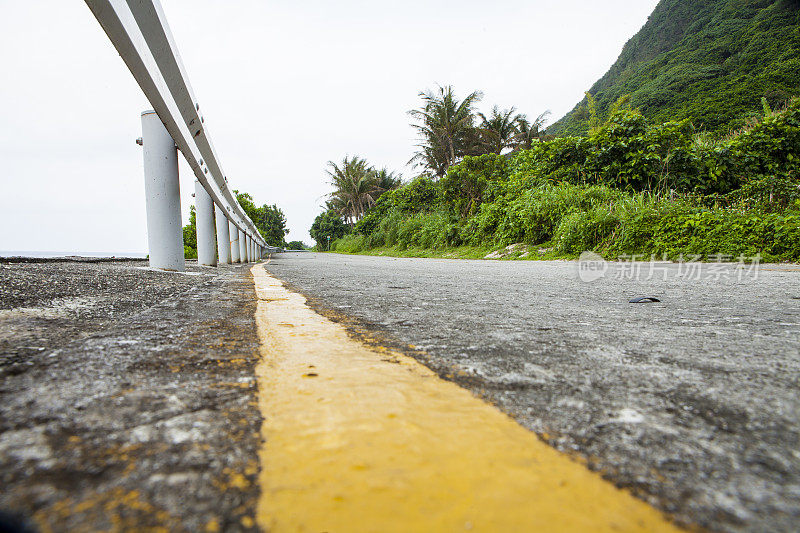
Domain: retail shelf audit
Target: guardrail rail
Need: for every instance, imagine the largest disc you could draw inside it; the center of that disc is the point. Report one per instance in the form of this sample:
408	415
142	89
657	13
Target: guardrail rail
139	31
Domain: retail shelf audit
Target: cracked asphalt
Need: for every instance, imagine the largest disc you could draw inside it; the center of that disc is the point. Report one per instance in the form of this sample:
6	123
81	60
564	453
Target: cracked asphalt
691	402
127	397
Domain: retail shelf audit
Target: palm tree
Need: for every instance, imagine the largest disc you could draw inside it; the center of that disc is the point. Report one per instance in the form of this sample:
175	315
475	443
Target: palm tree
527	132
432	157
444	124
386	181
500	129
355	188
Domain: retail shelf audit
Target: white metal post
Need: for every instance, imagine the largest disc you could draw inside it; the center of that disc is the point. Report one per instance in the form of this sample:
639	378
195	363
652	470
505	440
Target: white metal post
162	195
250	253
234	233
223	236
242	247
206	231
247	248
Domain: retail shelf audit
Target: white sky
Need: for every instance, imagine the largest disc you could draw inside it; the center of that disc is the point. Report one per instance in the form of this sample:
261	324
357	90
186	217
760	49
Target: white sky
284	87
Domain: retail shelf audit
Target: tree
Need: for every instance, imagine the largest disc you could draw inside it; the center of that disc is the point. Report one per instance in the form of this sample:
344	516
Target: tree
386	181
268	219
446	126
500	129
432	158
296	245
272	225
190	235
355	188
528	132
327	227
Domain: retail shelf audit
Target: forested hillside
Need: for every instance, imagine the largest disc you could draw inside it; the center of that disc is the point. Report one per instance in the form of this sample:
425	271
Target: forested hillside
711	61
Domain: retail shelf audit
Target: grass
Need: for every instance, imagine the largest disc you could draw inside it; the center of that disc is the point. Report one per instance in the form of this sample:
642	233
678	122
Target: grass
520	252
460	252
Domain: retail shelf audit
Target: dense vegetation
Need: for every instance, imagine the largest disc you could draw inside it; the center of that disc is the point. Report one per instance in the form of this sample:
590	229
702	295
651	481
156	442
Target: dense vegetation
357	186
630	187
269	220
688	146
710	61
450	129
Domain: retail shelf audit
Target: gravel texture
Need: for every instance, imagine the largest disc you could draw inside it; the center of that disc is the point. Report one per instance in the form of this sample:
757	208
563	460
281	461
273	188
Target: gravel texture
127	397
691	402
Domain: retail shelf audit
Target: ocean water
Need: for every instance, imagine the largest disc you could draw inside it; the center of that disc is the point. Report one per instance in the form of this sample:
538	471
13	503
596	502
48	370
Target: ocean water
18	253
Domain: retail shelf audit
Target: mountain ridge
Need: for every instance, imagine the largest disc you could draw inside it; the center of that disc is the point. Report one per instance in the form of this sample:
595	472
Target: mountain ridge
710	61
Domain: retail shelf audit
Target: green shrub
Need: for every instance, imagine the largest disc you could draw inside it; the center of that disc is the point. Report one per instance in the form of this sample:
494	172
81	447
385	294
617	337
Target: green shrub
732	232
547	162
630	187
350	244
585	230
427	230
473	181
327	227
420	195
534	216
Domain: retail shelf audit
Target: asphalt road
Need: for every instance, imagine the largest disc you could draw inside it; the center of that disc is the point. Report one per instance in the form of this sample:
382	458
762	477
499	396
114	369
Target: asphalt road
691	402
127	397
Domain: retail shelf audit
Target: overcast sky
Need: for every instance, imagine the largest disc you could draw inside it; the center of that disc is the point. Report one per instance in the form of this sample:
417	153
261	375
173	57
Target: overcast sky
284	87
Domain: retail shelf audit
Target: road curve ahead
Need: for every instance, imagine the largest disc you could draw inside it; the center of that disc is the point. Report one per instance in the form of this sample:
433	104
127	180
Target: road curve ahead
690	402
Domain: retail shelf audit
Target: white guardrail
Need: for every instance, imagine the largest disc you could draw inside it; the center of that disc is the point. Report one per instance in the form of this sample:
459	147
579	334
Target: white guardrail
139	31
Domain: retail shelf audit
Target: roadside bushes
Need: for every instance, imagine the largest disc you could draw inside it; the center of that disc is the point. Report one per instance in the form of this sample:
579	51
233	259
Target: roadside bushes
731	232
629	187
433	230
422	194
476	179
534	215
352	243
572	218
585	230
327	227
629	152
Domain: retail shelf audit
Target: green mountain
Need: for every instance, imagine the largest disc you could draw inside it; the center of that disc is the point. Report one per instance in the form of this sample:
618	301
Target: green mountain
710	61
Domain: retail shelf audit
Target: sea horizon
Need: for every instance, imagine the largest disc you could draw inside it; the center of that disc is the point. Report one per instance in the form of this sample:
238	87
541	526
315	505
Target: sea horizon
51	254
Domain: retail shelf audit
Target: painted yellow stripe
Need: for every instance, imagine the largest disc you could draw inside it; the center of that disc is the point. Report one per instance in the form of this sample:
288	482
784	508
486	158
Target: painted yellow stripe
363	440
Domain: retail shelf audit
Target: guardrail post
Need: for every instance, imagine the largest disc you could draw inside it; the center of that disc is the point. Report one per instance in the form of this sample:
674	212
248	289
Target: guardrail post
223	236
242	247
206	232
250	255
162	195
247	248
234	233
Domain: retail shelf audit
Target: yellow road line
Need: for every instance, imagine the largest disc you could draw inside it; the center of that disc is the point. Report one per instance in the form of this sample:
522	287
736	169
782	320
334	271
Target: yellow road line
361	440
